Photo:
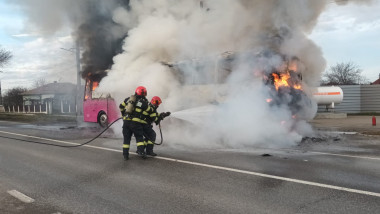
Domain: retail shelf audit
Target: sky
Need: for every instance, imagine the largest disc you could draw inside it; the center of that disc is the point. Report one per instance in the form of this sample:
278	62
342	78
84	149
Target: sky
344	33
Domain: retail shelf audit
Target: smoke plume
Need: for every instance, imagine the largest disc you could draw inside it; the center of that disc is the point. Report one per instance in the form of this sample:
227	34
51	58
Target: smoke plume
210	61
192	37
89	21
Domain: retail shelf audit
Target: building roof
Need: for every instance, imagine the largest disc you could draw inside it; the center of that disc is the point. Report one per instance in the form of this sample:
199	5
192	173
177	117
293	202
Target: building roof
53	88
377	82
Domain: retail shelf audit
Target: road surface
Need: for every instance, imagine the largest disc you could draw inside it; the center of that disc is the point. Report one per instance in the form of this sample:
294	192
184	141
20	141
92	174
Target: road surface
339	174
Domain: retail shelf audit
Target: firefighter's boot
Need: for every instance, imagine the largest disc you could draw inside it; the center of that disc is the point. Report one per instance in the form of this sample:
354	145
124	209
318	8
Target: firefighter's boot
126	154
140	151
145	143
149	149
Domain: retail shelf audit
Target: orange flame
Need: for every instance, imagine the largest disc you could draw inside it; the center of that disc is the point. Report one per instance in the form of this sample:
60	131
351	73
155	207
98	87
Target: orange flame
283	80
298	87
94	85
293	66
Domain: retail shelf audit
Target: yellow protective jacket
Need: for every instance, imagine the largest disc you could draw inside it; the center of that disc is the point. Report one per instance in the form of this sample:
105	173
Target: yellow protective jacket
141	110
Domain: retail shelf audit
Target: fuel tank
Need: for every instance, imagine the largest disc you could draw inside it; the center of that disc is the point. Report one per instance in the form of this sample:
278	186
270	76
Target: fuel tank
328	95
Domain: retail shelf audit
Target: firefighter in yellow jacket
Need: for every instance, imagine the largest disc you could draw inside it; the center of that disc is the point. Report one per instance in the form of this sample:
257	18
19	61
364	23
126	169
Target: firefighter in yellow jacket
149	133
134	110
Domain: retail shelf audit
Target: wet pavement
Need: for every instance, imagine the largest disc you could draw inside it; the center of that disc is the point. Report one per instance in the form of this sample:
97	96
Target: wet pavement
95	179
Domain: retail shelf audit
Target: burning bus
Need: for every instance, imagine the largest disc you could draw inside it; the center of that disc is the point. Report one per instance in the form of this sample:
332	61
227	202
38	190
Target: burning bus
281	75
98	107
209	76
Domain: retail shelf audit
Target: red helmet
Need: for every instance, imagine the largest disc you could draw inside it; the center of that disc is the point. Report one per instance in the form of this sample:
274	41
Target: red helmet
141	91
156	101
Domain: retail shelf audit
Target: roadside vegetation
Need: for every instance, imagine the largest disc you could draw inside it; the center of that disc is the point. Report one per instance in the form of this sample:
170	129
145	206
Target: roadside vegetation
36	118
344	73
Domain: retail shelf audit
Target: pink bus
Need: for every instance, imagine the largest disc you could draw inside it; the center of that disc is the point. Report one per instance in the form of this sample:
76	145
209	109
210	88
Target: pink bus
99	108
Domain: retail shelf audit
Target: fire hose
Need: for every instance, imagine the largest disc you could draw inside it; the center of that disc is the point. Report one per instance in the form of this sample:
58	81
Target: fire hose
82	144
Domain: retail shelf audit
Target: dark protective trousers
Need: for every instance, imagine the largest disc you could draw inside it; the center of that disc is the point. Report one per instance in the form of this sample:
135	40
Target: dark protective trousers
130	128
149	137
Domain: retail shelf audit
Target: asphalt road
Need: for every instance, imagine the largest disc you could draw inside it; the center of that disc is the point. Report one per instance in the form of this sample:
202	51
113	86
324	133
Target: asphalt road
339	174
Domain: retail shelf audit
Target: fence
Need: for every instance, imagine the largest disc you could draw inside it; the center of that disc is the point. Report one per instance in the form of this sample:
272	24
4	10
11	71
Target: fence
41	109
27	109
360	99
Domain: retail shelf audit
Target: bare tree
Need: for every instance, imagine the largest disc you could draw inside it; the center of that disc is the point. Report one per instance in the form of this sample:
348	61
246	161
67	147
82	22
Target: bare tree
39	82
5	56
345	73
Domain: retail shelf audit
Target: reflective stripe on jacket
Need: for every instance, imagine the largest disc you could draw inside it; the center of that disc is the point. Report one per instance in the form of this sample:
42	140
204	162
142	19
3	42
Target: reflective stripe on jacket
141	112
153	115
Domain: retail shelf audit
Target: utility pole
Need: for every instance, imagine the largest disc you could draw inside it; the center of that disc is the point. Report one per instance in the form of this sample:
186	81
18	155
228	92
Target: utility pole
1	95
79	89
1	98
79	94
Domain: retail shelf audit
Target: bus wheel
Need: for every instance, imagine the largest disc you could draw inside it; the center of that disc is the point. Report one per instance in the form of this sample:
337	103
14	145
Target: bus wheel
103	119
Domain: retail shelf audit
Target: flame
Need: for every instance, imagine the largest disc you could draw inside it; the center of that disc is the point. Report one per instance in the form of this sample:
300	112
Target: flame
298	87
284	80
94	85
281	81
269	100
293	65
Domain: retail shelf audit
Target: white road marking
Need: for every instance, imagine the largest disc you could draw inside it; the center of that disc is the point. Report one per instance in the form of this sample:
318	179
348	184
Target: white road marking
275	177
20	196
60	141
229	169
41	138
115	150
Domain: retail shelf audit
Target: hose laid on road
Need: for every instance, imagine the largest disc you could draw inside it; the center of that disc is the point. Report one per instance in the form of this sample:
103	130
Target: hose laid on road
82	144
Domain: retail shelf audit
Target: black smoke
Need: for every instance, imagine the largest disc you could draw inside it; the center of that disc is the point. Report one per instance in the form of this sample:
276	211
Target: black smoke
101	39
89	21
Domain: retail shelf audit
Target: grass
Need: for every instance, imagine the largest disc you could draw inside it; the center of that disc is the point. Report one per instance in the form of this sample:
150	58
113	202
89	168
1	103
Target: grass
22	117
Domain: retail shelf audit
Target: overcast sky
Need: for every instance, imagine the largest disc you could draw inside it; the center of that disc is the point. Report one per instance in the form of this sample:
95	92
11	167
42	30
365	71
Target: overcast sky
344	33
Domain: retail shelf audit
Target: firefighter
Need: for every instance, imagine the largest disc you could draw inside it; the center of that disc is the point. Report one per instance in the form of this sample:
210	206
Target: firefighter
134	110
149	133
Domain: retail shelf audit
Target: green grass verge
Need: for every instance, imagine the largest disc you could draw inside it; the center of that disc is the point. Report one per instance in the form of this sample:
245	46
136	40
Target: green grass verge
37	117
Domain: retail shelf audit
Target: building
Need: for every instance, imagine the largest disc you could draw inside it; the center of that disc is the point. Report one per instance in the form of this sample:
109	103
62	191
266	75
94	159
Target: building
377	82
52	98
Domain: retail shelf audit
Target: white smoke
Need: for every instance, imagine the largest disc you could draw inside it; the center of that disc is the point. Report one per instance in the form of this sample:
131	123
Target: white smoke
172	31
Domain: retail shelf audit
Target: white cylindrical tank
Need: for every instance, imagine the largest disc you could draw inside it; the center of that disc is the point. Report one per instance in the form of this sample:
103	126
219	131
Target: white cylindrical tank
328	95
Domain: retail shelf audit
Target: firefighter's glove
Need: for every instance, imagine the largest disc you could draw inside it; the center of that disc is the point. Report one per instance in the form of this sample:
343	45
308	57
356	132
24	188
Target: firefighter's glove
164	114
